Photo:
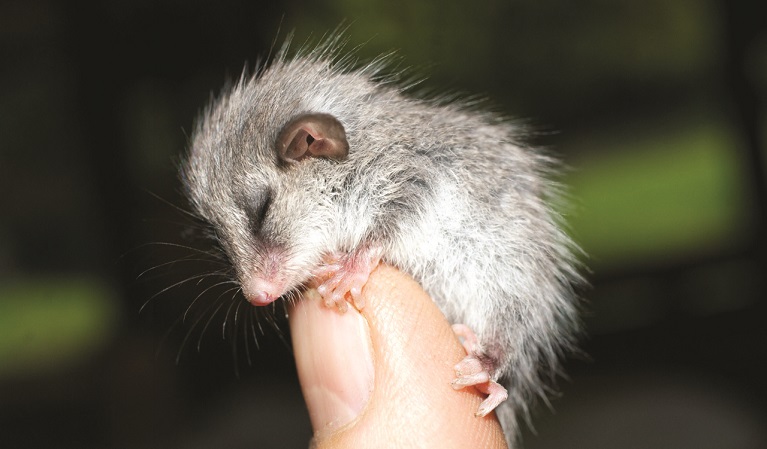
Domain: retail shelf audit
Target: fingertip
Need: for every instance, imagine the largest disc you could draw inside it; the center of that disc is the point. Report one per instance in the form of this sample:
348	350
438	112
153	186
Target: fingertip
334	362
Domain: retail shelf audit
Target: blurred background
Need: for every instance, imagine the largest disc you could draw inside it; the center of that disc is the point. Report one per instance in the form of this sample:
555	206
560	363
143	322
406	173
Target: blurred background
657	107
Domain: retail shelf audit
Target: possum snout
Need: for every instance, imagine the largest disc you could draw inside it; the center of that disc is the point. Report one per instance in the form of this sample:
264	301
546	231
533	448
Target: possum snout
260	292
265	281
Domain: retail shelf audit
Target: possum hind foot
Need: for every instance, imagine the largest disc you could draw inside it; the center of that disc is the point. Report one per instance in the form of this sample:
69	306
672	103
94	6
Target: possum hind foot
474	370
346	274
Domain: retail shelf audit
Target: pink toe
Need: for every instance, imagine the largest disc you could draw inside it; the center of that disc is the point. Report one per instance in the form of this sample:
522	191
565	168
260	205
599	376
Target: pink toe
345	274
496	394
474	379
468	366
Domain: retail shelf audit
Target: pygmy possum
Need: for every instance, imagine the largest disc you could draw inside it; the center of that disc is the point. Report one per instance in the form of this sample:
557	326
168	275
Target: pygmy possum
314	171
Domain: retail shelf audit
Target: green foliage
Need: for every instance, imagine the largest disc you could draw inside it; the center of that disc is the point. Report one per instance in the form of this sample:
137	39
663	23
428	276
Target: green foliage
656	193
46	323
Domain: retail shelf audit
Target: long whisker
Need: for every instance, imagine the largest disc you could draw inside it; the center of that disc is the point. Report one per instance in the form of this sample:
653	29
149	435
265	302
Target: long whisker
237	312
191	278
254	319
221	304
226	315
187	213
199	225
203	292
235	339
172	262
203	331
248	320
192	328
280	334
165	336
175	245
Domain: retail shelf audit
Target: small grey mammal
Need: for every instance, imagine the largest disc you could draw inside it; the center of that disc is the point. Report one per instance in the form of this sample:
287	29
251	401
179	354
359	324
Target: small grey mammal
313	172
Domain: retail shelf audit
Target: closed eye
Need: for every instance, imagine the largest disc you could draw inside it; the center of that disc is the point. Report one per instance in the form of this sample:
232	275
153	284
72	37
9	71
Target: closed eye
257	208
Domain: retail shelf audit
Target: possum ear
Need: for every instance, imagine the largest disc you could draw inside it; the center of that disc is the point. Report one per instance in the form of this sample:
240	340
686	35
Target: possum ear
312	135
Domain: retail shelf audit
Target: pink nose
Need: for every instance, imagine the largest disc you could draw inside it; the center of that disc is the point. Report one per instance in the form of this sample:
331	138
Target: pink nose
261	299
261	292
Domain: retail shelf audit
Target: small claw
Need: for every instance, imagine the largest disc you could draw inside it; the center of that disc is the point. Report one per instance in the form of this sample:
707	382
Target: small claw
335	299
472	371
356	293
326	270
468	366
473	379
342	305
353	285
496	394
345	274
359	303
468	338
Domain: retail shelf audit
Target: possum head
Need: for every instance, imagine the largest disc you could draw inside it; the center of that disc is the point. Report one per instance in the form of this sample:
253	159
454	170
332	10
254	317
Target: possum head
267	194
286	168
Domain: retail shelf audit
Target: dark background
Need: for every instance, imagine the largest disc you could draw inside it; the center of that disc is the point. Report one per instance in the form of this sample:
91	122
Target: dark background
657	108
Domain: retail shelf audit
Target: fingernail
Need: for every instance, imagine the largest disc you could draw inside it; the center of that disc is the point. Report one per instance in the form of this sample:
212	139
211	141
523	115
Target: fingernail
334	360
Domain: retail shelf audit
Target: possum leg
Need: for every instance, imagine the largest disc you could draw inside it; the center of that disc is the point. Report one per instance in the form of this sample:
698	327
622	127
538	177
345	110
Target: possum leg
474	370
346	274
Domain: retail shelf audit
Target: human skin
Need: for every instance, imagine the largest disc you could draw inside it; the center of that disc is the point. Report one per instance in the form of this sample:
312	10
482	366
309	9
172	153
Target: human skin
380	377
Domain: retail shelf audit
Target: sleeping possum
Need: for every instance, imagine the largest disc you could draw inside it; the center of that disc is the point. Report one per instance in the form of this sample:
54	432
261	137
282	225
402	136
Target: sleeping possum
313	169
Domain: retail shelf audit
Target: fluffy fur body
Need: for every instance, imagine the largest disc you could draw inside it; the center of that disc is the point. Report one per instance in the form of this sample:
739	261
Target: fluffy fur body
445	191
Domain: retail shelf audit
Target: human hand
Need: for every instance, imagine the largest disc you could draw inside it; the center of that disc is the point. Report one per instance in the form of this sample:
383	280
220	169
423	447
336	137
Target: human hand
381	378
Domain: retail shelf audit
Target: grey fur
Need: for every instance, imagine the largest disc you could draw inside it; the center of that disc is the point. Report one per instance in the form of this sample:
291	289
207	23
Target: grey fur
445	190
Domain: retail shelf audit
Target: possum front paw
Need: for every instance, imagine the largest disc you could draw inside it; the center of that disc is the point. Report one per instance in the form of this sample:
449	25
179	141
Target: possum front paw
474	370
345	275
